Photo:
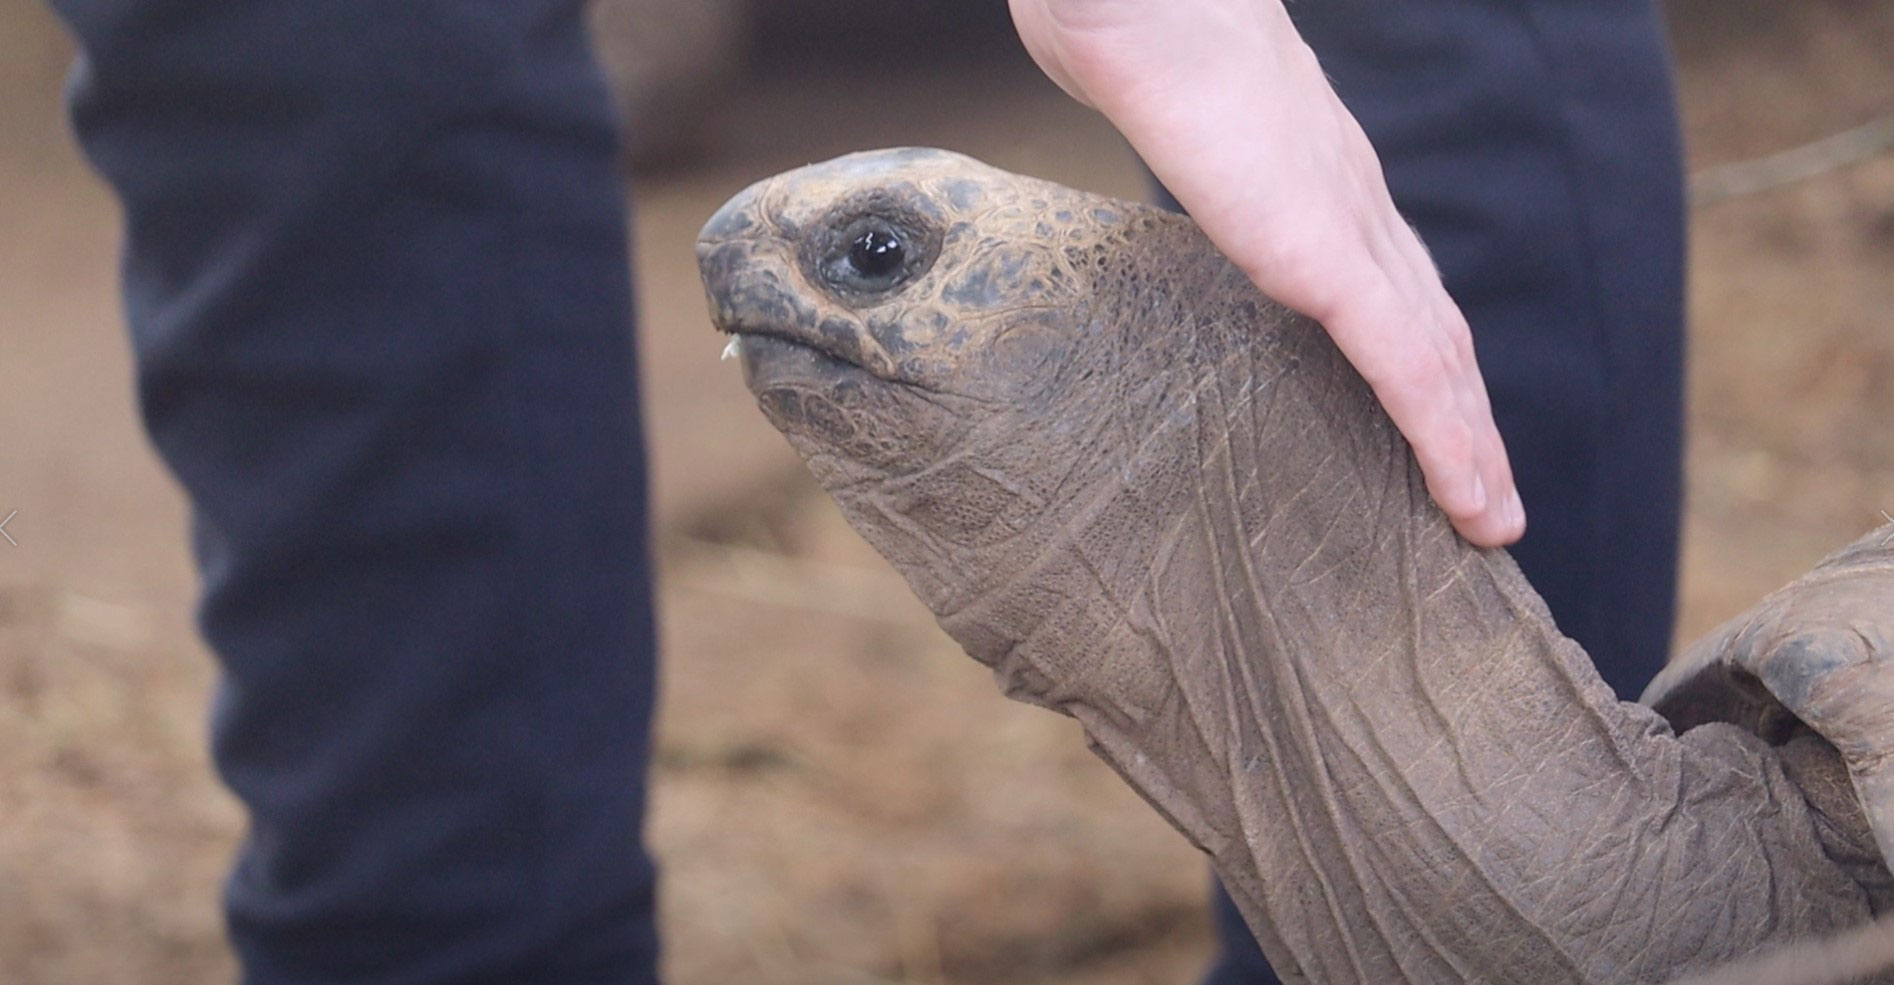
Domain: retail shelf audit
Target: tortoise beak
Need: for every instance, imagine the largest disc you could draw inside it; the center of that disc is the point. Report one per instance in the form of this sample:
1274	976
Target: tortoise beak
725	248
724	266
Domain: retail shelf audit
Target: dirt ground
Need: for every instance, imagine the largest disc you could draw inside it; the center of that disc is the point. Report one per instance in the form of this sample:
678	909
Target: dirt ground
840	797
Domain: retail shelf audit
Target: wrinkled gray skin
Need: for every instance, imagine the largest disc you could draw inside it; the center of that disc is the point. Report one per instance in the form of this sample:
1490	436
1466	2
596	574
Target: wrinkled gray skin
1152	499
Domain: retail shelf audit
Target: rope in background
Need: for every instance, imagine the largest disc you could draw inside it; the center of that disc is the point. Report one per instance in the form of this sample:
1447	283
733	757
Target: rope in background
1813	159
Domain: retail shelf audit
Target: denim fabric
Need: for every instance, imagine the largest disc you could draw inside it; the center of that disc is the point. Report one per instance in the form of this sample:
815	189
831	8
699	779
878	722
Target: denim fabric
375	271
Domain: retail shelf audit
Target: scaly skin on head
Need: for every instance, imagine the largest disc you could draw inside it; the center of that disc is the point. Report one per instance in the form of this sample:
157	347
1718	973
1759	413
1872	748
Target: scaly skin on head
958	414
1154	500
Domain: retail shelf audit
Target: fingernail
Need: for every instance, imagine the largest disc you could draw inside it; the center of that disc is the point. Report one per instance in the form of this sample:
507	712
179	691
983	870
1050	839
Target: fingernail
1479	494
1515	510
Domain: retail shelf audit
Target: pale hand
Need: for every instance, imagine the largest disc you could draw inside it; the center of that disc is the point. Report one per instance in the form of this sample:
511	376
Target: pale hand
1230	110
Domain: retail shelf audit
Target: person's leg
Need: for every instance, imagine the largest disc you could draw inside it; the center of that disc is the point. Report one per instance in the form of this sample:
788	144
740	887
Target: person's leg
376	277
1534	146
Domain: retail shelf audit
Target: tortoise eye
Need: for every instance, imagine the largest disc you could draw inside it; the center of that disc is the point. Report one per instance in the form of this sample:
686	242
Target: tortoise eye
876	253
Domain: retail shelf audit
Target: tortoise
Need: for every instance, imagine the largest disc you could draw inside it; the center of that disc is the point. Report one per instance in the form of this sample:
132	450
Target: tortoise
1152	499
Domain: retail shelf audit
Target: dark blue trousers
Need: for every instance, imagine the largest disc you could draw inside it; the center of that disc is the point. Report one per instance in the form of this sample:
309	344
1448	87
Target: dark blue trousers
375	271
1534	145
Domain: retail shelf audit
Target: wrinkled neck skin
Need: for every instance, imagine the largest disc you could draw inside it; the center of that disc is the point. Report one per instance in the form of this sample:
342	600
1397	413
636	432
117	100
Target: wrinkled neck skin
1400	768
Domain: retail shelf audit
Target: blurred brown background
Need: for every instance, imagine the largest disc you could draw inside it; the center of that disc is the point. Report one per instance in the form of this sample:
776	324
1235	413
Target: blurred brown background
840	797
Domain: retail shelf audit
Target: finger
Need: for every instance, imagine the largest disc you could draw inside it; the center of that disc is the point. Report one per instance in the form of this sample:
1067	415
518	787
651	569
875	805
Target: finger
1409	342
1438	388
1401	361
1501	519
1398	248
1505	518
1419	360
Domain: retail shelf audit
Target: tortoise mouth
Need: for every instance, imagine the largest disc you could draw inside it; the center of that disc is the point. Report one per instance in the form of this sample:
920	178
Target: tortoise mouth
773	359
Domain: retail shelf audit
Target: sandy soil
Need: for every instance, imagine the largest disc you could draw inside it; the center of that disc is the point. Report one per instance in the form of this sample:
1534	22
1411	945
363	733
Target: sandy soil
810	835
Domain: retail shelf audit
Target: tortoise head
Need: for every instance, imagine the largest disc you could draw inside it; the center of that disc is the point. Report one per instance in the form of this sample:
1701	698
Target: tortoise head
936	339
